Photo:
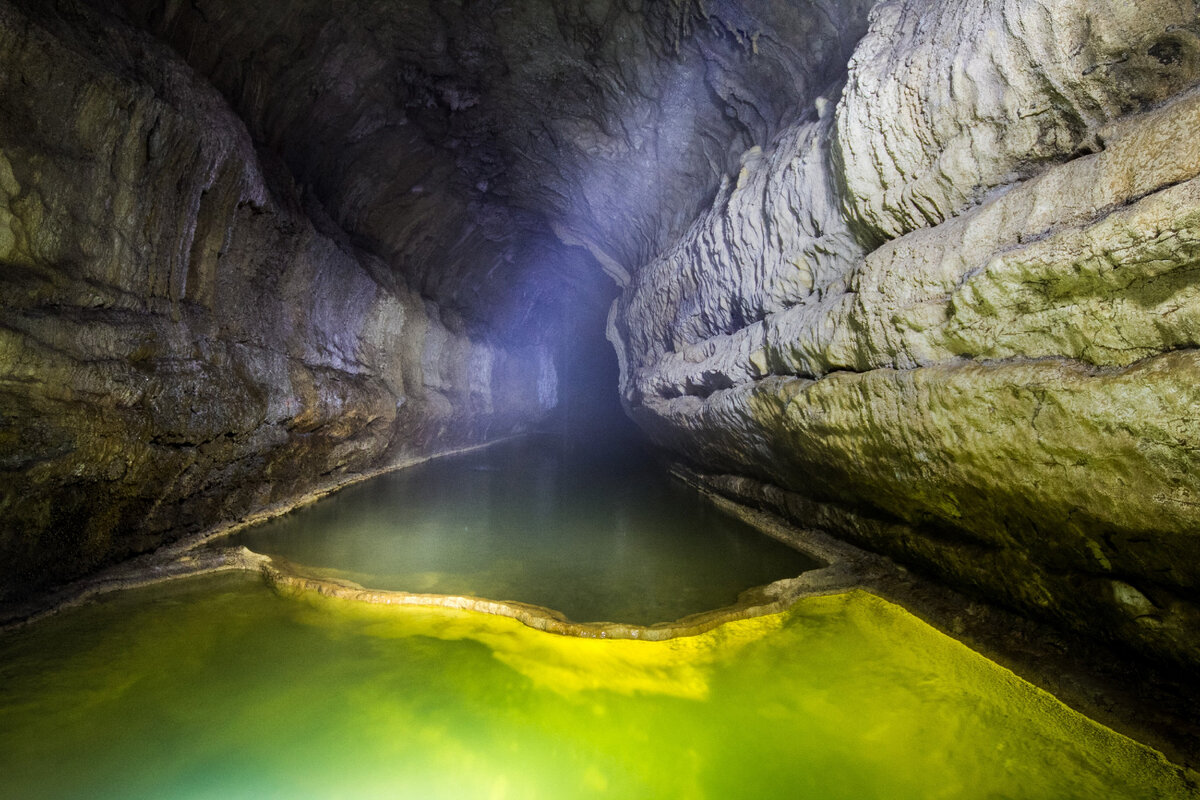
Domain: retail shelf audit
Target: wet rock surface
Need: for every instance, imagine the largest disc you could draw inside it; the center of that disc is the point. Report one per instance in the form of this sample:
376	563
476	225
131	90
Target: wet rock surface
921	273
182	343
249	253
996	385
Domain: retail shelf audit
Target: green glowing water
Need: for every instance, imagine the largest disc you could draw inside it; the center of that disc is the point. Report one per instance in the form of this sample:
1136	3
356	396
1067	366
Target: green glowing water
217	688
598	533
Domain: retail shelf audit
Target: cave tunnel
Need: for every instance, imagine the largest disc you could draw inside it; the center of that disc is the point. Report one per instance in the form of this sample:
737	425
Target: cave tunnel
904	289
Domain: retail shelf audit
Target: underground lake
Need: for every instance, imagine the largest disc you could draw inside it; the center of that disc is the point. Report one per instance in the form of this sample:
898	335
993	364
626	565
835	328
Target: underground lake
597	531
600	398
217	686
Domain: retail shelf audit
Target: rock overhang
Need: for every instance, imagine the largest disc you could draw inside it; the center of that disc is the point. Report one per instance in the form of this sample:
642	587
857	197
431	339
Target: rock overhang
506	157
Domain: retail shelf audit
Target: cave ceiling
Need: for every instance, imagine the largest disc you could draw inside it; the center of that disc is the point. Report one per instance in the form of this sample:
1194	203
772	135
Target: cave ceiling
511	159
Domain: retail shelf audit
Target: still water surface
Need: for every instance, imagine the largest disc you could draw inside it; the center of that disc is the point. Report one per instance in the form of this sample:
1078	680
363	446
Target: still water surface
215	687
218	688
598	532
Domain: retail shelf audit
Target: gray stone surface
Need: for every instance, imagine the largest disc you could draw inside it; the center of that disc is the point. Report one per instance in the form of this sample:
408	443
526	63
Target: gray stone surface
998	384
496	151
921	272
248	251
948	102
179	343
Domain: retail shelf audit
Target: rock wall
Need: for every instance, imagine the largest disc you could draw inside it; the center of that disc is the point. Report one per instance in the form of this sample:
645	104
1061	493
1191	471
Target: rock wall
480	145
249	248
185	336
955	316
922	272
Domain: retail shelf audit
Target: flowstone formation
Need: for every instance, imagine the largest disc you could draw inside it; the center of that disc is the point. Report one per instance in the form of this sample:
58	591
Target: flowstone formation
953	314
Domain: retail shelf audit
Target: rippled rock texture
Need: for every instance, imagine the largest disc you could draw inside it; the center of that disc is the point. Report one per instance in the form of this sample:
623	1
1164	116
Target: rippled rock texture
920	272
953	313
251	249
185	336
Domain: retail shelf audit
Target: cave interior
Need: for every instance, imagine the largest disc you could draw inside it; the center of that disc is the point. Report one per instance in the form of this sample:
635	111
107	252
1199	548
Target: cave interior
918	275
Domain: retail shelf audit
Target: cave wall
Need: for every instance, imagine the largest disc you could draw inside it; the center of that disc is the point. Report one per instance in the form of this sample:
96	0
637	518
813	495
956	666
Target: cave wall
250	249
186	336
481	144
920	272
952	314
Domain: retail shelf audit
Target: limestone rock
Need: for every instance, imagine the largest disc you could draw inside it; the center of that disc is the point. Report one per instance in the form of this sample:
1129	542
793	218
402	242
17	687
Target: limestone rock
949	101
923	272
178	344
500	151
1000	391
771	239
247	252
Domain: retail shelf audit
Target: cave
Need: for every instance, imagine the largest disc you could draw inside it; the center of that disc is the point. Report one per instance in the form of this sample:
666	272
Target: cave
908	290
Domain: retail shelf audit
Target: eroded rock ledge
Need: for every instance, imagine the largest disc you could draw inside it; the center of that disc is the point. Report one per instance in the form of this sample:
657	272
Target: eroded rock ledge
955	318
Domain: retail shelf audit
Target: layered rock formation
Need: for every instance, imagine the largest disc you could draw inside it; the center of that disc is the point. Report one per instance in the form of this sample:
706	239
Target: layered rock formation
954	318
250	251
920	272
186	338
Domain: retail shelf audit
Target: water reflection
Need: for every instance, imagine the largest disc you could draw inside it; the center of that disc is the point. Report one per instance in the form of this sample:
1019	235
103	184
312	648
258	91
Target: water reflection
598	533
